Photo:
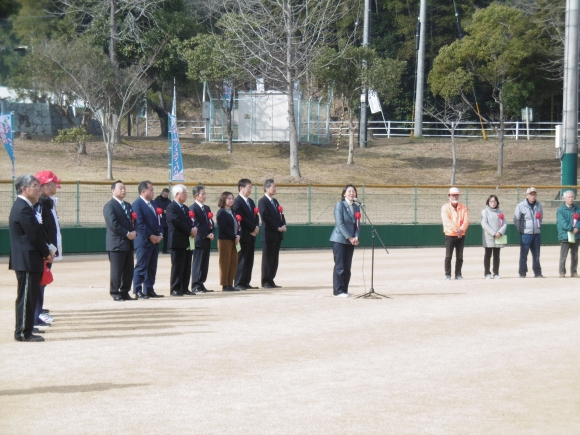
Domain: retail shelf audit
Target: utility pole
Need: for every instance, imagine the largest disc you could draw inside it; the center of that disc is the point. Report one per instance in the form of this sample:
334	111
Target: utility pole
362	135
418	130
569	155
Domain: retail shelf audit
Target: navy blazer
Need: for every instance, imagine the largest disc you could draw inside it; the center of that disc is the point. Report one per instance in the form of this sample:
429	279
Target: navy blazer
28	247
345	223
119	223
227	225
250	220
202	223
147	223
179	226
272	219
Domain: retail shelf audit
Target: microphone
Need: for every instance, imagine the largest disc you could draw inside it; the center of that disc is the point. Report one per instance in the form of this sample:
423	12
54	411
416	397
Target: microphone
356	201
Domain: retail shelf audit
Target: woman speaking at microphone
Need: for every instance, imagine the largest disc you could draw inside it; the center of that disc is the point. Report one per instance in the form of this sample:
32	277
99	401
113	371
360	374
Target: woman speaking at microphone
344	238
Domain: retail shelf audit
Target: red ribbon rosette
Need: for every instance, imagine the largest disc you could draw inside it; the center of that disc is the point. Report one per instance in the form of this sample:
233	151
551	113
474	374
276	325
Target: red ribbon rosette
280	209
576	216
239	219
210	217
191	216
133	215
501	217
159	211
357	216
539	219
256	211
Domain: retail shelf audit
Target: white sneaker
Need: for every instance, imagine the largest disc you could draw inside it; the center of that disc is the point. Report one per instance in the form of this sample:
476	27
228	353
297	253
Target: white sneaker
496	277
342	295
488	276
46	318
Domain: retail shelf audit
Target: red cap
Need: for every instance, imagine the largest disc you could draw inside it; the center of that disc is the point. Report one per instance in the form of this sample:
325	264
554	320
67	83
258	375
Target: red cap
45	177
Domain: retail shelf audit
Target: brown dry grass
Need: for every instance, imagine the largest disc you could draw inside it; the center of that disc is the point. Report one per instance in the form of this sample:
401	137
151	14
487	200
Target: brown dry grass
385	161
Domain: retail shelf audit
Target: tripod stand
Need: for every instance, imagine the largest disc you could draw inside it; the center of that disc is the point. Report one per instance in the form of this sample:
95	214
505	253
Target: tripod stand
371	294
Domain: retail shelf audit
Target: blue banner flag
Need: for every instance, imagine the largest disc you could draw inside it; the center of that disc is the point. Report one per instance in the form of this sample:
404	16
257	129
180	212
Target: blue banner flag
176	160
7	135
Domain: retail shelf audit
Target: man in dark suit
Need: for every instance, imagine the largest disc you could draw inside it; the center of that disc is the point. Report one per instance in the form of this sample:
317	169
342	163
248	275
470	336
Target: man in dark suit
273	229
149	234
180	228
203	240
244	206
119	242
28	249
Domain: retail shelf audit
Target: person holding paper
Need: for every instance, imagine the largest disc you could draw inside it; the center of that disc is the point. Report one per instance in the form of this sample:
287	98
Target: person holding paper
493	225
181	233
455	219
568	223
203	239
228	241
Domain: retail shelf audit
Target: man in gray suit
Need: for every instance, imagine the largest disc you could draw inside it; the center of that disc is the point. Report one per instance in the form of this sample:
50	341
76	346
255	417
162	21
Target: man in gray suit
28	250
119	242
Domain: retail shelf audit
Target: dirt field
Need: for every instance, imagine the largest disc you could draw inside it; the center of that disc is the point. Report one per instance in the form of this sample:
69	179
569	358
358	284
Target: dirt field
461	357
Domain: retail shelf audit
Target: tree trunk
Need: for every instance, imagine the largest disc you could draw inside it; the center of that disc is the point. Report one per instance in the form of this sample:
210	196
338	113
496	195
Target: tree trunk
501	134
113	38
350	160
293	134
229	125
109	134
453	155
84	125
162	114
129	124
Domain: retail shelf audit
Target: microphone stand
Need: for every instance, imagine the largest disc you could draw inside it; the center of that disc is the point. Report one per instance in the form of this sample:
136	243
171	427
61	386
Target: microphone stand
371	294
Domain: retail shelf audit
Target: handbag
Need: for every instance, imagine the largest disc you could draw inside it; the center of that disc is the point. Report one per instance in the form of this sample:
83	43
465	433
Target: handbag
47	277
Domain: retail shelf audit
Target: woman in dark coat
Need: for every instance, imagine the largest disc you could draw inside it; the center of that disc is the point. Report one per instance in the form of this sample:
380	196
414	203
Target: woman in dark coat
228	238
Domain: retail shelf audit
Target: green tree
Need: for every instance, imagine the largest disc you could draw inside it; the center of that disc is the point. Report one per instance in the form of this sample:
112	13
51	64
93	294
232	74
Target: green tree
497	51
345	74
212	59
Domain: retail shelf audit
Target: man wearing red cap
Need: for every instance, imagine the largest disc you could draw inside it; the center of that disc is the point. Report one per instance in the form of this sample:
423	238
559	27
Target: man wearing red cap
45	208
455	222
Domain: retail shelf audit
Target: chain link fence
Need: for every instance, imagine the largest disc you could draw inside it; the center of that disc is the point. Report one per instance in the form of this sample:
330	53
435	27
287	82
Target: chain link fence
81	203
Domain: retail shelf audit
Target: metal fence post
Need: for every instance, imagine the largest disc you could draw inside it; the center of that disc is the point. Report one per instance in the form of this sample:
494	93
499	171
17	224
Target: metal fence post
78	224
518	195
364	201
309	204
415	201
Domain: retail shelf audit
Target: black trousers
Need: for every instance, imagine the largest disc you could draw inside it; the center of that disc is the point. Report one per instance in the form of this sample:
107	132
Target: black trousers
245	263
566	247
451	243
180	269
122	267
487	258
200	264
26	300
342	263
270	257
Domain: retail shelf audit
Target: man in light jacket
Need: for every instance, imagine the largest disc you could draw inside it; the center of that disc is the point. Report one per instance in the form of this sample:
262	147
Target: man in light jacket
528	220
568	224
455	219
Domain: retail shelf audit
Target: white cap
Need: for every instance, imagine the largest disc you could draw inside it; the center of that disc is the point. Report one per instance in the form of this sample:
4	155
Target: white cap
453	191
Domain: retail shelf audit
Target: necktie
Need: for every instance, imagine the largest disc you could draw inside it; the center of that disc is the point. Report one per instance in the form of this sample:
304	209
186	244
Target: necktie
248	204
125	209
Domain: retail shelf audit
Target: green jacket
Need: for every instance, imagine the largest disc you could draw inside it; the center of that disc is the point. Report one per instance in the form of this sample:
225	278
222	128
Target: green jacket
565	220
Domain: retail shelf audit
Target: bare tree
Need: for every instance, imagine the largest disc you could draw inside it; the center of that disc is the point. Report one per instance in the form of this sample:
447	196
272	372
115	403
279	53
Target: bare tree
277	40
91	78
449	113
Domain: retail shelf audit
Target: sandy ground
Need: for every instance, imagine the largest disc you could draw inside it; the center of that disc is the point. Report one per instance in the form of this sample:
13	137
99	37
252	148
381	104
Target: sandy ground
461	357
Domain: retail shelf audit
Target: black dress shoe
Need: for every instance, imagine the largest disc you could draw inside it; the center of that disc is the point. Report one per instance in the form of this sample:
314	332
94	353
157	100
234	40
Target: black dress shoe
187	292
266	286
229	288
141	295
37	331
275	286
176	293
251	287
204	289
127	297
152	294
198	290
41	323
43	311
31	337
118	298
240	287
